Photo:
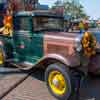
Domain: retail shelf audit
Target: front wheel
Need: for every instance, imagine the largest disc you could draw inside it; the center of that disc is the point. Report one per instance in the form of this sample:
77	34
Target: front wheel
58	81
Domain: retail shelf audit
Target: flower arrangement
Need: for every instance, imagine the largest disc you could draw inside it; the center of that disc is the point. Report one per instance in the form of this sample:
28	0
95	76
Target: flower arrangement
88	44
7	28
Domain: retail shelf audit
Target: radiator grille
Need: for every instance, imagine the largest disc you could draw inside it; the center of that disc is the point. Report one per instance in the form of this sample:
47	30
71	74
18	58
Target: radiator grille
62	50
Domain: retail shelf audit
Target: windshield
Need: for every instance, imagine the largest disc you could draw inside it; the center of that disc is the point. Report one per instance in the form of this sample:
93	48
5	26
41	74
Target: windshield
47	24
22	23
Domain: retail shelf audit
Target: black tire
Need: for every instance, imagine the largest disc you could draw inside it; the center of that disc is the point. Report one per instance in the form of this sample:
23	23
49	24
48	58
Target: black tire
2	53
65	72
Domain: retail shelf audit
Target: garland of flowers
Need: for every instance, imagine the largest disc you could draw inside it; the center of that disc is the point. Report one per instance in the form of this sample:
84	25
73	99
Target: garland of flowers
88	44
7	25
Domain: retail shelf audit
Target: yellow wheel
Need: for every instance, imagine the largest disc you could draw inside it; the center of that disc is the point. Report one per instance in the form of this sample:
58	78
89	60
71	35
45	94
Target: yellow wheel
58	81
1	57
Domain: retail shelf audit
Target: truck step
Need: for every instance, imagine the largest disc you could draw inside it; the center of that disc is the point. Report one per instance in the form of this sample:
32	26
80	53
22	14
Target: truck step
9	60
23	65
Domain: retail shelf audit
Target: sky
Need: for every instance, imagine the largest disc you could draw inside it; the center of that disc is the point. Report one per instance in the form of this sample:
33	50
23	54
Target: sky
91	7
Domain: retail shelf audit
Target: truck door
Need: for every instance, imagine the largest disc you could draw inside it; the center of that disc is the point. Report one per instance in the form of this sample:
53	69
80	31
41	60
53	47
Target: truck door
36	47
22	37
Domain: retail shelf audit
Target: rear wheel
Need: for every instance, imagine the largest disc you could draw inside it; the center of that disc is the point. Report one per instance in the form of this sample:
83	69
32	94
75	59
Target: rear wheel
2	56
58	81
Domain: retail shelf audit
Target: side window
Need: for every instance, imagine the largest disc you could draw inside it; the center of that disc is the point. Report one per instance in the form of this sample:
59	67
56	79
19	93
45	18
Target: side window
47	23
39	23
22	23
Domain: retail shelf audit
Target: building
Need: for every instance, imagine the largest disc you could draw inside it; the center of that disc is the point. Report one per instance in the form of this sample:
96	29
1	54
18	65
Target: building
8	7
18	5
58	9
2	11
42	7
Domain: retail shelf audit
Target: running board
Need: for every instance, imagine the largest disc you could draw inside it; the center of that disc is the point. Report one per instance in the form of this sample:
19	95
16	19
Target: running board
23	65
9	60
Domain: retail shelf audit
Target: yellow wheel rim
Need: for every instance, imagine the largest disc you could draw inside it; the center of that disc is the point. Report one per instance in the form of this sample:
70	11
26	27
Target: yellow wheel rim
1	57
57	82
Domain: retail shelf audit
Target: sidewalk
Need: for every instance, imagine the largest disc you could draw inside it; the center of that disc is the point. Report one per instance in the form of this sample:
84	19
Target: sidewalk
30	90
9	79
33	88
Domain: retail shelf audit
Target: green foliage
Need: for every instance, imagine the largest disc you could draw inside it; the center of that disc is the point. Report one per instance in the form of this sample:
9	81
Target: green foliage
72	8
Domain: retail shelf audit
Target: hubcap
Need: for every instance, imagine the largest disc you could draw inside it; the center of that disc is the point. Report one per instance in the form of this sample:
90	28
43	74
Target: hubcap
1	57
57	82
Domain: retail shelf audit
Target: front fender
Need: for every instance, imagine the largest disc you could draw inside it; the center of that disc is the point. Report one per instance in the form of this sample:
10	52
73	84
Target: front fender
70	61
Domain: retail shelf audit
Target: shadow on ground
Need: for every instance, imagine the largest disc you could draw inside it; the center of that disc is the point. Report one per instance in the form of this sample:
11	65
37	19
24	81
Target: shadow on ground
89	91
38	73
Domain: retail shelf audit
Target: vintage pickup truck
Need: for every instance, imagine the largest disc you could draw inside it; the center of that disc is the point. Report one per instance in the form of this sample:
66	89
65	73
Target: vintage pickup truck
38	40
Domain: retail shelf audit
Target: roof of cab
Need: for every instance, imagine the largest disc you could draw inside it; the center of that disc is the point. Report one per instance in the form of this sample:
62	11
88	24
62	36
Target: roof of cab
39	13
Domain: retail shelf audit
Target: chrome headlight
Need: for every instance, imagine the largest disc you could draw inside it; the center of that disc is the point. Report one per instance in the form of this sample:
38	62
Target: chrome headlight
78	45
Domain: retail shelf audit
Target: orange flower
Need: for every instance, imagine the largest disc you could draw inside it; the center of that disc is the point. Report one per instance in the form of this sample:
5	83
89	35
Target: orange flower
7	19
88	44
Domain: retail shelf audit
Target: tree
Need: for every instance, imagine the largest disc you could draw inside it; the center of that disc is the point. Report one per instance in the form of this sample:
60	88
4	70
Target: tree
58	3
74	10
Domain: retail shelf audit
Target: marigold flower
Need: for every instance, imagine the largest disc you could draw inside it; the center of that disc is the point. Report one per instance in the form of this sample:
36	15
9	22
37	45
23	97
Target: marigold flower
88	43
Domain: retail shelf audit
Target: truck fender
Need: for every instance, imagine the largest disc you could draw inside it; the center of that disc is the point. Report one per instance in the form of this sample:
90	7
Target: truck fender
3	49
60	59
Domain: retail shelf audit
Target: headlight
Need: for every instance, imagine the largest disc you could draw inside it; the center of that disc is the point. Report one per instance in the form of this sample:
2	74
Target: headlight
78	45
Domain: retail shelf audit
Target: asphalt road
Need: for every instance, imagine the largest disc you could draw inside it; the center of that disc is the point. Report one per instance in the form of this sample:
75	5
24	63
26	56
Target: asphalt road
19	85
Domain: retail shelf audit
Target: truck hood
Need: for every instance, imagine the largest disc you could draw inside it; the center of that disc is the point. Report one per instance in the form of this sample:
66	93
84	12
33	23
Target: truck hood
61	35
70	35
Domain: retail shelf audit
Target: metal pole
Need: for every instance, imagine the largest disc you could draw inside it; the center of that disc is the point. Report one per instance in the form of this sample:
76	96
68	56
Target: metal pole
73	9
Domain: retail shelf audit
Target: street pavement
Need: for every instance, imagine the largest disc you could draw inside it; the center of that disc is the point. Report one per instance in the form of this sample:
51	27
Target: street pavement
9	79
33	87
18	85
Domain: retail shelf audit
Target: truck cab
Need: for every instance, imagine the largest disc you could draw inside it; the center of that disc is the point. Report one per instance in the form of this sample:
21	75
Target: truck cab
26	43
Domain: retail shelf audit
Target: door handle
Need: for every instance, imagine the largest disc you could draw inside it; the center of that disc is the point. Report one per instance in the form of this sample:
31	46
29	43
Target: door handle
30	37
